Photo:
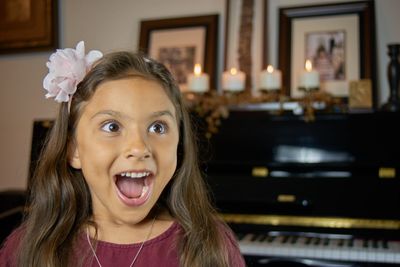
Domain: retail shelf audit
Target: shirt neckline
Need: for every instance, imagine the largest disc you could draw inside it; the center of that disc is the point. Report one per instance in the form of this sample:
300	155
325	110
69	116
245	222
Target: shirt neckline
167	233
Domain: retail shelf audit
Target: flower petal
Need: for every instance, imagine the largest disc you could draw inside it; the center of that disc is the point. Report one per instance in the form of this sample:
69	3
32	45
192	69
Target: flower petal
80	49
67	68
52	91
47	81
92	56
62	97
67	86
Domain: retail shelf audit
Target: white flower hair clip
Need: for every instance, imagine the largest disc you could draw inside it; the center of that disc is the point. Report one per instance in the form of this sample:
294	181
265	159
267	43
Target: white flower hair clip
67	68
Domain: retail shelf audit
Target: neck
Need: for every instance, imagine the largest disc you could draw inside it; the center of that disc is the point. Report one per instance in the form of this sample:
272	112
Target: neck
124	233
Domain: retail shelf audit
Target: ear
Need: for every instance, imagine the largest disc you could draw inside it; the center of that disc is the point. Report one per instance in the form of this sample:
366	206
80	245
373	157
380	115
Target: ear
73	157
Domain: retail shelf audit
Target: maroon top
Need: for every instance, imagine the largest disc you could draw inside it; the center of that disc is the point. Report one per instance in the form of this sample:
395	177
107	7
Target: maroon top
156	251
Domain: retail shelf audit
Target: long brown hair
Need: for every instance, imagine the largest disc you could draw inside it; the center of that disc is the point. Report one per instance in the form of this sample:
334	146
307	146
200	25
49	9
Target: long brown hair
60	202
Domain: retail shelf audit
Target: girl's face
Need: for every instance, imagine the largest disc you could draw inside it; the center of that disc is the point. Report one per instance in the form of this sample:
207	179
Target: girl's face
126	145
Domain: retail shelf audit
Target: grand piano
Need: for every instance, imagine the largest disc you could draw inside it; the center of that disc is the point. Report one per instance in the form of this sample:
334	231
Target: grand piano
297	193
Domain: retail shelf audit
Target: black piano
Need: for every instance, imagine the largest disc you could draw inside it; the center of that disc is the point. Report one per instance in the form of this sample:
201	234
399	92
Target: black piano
297	193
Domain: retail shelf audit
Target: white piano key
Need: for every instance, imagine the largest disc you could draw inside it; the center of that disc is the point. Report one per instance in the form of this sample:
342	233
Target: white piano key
389	257
397	258
380	256
331	251
334	250
371	256
247	238
394	245
344	251
362	255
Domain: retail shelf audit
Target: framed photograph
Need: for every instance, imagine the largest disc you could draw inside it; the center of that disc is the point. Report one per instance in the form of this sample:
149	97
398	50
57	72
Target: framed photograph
338	40
180	43
28	25
246	45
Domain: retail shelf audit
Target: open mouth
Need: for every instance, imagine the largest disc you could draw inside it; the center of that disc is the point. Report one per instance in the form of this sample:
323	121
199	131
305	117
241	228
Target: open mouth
133	188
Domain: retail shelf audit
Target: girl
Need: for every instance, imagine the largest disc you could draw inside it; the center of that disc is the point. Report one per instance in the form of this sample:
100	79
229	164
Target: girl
118	182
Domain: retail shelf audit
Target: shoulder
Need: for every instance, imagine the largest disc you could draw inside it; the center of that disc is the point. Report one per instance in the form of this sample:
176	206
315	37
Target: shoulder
9	247
231	244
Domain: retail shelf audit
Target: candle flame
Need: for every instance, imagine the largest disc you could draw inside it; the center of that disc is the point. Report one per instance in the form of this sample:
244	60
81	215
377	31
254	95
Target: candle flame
270	69
233	71
308	65
197	69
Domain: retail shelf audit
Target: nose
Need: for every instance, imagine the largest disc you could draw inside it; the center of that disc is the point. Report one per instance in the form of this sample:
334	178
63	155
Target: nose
137	147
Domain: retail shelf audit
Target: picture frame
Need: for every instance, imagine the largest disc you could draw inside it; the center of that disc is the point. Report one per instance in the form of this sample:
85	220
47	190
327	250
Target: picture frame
259	38
28	26
328	22
179	43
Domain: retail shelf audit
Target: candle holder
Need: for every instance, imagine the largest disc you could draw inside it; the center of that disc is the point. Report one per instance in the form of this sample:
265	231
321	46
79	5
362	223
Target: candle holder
308	102
213	106
308	89
393	72
234	96
271	94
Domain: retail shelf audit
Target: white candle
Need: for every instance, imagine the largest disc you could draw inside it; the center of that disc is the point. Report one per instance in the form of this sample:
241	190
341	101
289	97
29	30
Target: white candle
197	81
233	80
270	79
309	78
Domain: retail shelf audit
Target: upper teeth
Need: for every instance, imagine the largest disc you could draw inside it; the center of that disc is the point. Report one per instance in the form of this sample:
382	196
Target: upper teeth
135	174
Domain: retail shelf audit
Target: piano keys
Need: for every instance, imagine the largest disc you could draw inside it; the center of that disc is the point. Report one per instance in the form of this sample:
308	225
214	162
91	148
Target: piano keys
320	247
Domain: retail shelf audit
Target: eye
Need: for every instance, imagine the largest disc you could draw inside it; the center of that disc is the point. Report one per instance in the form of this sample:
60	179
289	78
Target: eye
111	127
158	127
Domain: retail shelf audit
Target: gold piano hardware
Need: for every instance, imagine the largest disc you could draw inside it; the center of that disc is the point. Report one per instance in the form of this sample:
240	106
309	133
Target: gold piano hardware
259	172
286	198
387	172
327	222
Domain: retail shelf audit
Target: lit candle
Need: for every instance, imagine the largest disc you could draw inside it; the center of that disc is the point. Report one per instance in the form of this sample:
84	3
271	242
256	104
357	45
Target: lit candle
198	82
270	79
309	79
233	80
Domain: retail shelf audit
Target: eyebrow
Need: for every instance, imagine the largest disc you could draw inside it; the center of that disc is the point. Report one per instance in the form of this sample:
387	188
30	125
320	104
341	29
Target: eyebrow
121	115
162	113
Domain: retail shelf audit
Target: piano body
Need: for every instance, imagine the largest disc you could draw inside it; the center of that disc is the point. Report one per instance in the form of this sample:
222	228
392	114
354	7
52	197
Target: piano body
296	193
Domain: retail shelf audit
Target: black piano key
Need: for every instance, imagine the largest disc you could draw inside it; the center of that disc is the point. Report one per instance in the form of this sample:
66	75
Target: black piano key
341	242
385	244
240	236
254	238
326	241
350	243
294	239
317	241
271	238
262	238
365	243
375	243
308	240
285	239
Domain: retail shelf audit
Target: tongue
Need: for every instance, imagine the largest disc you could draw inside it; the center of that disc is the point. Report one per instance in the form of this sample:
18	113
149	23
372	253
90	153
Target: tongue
131	188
